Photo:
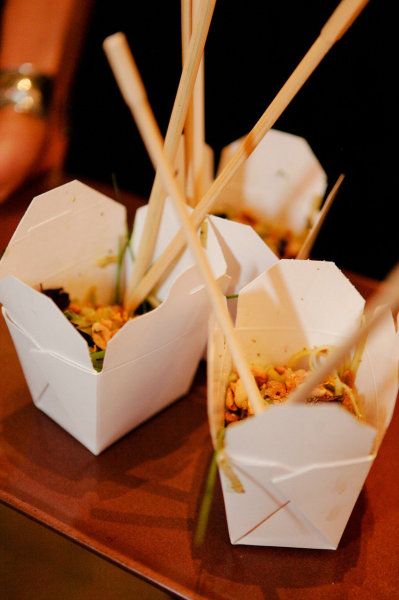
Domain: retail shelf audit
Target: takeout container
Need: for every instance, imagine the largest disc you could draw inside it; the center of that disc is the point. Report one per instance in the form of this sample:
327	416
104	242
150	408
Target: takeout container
282	181
302	467
70	237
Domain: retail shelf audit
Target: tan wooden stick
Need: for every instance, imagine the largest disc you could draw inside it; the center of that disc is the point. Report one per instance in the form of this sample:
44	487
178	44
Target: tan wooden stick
340	20
185	8
186	20
310	239
198	121
388	295
194	128
132	88
172	139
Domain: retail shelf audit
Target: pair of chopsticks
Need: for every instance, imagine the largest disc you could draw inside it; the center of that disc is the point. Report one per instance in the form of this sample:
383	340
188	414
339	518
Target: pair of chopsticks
131	86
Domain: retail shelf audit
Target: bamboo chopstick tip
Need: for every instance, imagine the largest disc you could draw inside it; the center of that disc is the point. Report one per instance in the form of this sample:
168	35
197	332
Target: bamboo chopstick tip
114	41
125	70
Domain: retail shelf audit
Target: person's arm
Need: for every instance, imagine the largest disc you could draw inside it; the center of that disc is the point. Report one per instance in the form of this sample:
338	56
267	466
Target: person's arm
46	34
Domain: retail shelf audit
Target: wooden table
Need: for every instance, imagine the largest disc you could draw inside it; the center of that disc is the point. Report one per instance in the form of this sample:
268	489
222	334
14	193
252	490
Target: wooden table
136	504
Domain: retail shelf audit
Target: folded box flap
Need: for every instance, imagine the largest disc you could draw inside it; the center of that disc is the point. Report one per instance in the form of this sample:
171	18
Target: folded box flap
70	197
300	294
258	502
68	237
299	435
282	179
287	528
326	494
38	316
186	308
246	254
169	226
138	389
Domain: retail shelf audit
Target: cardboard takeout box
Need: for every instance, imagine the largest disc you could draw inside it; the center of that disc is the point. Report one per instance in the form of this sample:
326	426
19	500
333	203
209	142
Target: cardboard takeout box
69	237
302	467
282	181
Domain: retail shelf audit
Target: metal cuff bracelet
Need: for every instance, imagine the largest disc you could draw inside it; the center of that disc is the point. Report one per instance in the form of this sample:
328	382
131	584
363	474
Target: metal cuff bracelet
25	89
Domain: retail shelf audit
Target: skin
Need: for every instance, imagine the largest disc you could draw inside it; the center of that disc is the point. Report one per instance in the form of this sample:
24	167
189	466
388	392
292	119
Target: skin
24	150
37	32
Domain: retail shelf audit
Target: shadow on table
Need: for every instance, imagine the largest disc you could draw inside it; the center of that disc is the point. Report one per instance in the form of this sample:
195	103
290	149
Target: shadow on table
37	446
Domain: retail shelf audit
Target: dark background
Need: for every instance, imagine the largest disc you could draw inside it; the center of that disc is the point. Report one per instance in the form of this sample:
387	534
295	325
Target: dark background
346	110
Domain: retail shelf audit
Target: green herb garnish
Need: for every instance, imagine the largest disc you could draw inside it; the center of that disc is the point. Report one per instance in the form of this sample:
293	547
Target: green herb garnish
97	359
218	458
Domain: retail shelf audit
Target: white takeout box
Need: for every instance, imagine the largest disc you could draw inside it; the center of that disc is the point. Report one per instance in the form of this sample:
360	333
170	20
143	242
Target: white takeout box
302	466
69	237
282	181
64	240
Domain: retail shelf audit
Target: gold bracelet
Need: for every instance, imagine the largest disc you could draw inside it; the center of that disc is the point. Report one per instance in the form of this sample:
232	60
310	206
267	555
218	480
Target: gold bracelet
26	90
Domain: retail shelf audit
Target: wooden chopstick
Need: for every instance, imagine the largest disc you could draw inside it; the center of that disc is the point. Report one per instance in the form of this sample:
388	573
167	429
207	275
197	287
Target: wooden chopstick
186	21
198	116
306	248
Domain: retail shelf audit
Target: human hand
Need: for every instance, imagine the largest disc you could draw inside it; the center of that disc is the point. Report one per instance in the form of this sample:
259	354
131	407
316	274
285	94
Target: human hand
29	146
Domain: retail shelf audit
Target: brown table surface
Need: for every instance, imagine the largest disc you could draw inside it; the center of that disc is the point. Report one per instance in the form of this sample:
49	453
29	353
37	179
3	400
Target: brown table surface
136	504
